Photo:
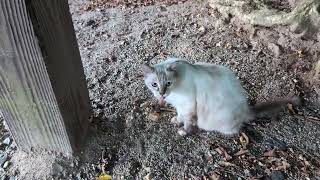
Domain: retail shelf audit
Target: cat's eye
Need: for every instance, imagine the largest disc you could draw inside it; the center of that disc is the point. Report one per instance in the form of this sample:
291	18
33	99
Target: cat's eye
169	83
154	84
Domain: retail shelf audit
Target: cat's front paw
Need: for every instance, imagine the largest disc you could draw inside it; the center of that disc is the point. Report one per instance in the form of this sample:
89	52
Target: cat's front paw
182	132
174	120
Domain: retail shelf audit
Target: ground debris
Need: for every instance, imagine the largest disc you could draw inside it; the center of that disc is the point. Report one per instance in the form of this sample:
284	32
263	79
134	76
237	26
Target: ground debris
154	116
224	153
244	140
100	4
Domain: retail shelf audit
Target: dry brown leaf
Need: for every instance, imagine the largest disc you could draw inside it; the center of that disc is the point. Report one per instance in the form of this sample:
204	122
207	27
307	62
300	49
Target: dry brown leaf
154	116
313	118
209	158
244	140
261	164
241	152
256	177
225	163
202	29
300	53
214	176
104	177
291	150
144	105
147	177
290	109
284	165
224	153
305	162
270	153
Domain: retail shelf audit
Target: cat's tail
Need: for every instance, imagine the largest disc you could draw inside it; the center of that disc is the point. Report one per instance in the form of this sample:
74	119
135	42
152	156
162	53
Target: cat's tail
274	106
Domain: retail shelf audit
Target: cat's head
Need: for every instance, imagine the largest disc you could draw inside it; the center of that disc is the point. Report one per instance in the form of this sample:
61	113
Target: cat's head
161	78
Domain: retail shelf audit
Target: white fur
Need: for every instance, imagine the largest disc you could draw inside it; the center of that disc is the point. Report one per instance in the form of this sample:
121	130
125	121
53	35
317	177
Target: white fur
212	93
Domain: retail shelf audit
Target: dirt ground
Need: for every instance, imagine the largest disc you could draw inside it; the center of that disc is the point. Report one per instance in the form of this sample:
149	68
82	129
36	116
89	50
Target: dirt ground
130	138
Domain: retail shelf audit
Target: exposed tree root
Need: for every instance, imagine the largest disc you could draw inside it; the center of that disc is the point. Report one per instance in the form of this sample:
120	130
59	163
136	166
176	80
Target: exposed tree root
306	10
303	19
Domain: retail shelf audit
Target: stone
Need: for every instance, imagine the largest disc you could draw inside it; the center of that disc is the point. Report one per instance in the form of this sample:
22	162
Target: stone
3	159
56	169
7	141
5	177
275	48
90	23
6	164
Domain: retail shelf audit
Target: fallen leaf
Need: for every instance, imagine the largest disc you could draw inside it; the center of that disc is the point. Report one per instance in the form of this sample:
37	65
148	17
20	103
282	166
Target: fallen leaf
290	109
241	152
284	165
224	153
256	177
154	116
261	164
244	140
269	153
300	53
147	177
306	163
228	45
209	158
104	177
313	118
202	29
144	105
214	176
225	163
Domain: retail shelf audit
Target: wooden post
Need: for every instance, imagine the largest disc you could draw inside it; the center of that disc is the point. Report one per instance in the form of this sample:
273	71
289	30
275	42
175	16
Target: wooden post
43	93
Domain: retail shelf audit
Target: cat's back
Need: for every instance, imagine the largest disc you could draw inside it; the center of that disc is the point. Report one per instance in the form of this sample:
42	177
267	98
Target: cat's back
214	71
219	78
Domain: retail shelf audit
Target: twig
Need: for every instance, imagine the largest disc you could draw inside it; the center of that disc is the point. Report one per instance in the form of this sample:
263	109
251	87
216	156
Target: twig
309	118
167	109
234	173
311	156
103	161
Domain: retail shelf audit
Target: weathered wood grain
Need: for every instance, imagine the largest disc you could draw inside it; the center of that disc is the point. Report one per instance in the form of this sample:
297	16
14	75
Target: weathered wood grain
43	94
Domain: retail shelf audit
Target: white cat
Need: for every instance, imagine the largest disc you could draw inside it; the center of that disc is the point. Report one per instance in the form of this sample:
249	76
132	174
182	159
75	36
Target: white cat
205	95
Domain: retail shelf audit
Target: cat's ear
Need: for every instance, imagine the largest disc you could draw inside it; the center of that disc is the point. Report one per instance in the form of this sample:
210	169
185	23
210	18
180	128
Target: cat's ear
172	67
147	69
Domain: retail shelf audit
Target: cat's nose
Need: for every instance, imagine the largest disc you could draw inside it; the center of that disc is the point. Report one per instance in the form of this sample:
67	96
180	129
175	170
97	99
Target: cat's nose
161	92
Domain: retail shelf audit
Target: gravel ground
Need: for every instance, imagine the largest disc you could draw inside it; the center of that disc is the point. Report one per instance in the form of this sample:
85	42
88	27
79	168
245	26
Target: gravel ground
131	138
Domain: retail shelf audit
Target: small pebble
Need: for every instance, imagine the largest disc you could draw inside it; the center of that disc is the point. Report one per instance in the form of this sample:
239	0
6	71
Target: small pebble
5	177
3	159
90	23
6	164
7	141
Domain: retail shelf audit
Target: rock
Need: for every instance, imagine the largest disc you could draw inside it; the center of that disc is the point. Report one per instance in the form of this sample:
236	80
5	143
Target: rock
275	48
5	177
154	116
80	176
56	169
202	29
6	164
7	141
90	23
12	178
3	159
277	175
